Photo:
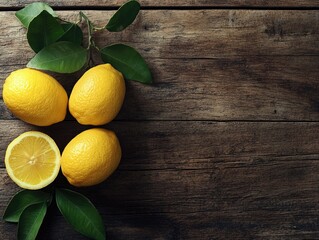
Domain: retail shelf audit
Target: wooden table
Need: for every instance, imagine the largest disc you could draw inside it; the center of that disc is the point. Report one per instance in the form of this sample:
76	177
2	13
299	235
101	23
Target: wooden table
224	144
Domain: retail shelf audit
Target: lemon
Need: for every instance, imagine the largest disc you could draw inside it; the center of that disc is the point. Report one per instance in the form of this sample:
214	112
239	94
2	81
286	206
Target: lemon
35	97
98	95
91	157
33	160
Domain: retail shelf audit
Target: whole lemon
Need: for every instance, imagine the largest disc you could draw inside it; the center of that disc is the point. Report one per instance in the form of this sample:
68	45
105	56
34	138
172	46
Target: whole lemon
35	97
91	157
98	95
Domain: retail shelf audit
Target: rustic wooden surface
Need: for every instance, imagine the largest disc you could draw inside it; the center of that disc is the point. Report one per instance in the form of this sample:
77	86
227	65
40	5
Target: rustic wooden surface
224	144
170	3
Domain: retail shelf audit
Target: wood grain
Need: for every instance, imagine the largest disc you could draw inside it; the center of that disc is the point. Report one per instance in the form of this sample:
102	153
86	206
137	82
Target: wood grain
197	180
170	3
233	88
204	34
200	143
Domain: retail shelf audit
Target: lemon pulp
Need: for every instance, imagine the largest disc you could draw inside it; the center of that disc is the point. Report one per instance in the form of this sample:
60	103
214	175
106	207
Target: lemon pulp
33	160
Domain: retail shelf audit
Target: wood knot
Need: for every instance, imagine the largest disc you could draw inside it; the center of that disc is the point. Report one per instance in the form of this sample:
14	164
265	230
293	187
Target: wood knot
275	29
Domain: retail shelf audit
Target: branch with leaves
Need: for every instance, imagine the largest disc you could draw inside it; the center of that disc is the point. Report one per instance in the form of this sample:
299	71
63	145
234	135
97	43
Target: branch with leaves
58	44
28	208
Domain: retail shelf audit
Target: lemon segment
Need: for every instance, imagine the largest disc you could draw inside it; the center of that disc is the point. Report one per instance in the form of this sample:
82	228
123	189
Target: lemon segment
33	160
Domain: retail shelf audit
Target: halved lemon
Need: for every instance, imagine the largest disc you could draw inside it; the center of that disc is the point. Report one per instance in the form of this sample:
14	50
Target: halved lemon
33	160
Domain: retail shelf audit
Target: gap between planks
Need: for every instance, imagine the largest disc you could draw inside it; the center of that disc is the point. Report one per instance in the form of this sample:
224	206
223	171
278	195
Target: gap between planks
194	120
181	8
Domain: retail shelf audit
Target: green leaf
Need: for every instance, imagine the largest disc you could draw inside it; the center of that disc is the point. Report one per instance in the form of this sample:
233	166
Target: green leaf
43	30
128	61
26	14
80	213
61	57
72	33
21	201
124	16
30	221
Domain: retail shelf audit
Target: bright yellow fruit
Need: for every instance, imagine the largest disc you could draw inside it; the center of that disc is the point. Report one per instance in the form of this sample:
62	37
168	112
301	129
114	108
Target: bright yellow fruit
33	160
97	97
91	157
35	97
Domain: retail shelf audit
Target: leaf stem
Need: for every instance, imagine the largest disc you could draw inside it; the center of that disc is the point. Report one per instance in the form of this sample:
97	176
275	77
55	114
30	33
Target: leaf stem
91	42
98	28
90	29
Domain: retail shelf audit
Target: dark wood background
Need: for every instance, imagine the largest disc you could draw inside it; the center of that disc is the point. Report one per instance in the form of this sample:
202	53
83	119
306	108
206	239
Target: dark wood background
224	144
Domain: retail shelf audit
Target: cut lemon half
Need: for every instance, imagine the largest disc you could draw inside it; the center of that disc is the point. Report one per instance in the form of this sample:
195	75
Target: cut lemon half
33	160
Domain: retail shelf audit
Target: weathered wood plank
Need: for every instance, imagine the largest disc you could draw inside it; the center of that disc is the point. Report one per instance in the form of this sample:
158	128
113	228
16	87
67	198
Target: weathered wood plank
205	225
204	34
169	3
176	144
233	88
198	180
